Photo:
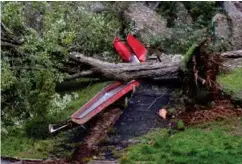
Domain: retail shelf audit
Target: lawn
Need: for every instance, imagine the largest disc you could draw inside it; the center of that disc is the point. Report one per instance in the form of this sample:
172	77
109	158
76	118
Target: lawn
232	83
16	143
212	143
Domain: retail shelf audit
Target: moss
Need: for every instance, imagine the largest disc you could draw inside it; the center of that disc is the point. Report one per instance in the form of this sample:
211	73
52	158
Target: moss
188	56
232	83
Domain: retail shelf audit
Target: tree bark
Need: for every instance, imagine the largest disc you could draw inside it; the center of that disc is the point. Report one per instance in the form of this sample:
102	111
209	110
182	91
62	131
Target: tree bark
232	54
80	74
165	70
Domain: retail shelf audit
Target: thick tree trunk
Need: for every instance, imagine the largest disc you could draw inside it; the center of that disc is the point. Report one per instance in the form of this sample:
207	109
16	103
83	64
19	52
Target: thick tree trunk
167	69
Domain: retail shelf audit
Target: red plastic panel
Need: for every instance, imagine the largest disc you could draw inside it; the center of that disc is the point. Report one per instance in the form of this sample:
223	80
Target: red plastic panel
95	98
118	95
139	50
122	50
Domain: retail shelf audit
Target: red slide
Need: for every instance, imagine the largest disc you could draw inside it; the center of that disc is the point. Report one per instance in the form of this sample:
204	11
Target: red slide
103	99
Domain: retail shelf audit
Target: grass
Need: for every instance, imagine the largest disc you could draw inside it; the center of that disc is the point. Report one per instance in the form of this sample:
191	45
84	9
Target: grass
85	94
19	146
16	144
210	143
232	82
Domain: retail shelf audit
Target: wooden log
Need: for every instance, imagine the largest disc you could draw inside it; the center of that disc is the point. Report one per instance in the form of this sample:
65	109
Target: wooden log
167	69
232	54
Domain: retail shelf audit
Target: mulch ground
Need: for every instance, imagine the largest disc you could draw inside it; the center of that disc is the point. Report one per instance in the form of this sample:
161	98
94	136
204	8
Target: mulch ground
221	109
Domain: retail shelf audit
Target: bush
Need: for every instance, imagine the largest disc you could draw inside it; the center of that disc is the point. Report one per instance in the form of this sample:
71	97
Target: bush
7	76
168	11
37	127
184	35
180	40
202	12
49	31
95	33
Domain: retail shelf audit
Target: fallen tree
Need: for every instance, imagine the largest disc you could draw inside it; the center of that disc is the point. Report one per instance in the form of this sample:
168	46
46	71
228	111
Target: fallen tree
166	69
197	63
198	68
127	71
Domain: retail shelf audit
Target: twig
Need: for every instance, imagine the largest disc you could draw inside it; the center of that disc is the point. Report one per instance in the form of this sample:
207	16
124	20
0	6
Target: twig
154	102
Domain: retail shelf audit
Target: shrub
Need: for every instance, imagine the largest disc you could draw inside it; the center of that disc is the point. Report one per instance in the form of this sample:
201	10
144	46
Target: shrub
37	127
49	30
184	35
180	40
202	12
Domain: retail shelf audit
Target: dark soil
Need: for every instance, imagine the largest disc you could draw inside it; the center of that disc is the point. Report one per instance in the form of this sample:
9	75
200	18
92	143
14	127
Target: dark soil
139	117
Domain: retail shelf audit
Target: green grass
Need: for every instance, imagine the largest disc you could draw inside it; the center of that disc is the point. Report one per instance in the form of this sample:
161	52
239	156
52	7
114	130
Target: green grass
16	143
19	146
85	94
210	143
232	82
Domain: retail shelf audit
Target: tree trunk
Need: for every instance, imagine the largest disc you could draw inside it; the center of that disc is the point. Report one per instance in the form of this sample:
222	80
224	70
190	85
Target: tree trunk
167	69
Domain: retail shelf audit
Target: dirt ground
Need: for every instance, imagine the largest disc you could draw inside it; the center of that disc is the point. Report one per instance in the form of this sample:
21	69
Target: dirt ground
139	117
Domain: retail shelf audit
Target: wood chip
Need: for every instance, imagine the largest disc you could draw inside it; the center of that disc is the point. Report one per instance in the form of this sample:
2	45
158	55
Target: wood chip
162	113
